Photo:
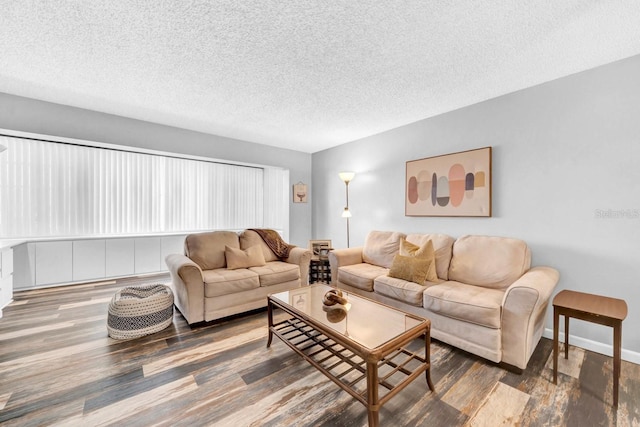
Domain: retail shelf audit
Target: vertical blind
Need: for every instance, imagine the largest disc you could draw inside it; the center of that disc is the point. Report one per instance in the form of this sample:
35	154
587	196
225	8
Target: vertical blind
50	189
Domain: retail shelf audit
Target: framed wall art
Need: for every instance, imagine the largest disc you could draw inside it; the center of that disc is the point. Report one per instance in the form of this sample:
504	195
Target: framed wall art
300	193
457	184
320	248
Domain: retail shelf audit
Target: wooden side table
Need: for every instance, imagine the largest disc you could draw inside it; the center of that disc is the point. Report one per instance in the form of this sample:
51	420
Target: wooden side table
592	308
319	271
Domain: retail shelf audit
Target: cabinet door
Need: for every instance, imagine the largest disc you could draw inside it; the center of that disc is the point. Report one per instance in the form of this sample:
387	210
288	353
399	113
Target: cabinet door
24	266
6	263
88	259
6	277
6	291
119	257
54	262
147	257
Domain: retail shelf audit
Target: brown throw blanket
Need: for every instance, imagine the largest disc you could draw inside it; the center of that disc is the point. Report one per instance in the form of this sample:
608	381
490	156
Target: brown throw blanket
274	241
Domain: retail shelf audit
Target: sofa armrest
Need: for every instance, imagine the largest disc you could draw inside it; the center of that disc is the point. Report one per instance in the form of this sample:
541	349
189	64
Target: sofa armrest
301	257
188	287
523	314
341	257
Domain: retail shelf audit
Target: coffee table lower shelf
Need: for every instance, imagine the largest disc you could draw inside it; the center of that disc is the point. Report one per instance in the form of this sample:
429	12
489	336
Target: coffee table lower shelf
372	378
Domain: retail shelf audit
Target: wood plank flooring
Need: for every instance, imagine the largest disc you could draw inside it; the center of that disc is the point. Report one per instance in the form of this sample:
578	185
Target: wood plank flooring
58	366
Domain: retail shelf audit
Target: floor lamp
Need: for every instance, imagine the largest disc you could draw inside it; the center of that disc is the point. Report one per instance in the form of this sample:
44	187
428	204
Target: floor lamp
346	177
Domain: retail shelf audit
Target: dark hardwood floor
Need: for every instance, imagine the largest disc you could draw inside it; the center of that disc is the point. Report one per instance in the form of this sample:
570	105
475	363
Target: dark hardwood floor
59	367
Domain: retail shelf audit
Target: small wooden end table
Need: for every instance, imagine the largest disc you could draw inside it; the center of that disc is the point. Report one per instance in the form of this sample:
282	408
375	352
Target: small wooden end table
319	271
592	308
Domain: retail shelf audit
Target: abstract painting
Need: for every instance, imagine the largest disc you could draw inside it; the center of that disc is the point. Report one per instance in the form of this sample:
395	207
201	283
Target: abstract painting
457	184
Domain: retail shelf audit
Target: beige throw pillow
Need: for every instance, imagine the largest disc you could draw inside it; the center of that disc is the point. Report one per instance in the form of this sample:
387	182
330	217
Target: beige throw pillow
238	258
425	252
409	268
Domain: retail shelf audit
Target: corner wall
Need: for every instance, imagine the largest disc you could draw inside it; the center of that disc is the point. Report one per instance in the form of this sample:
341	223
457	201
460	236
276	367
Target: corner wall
30	115
566	179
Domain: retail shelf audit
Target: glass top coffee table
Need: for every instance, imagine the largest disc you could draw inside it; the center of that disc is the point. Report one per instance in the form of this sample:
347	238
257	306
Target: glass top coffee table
363	350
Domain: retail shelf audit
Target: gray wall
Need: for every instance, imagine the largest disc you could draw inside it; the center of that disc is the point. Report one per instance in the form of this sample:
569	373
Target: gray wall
561	152
29	115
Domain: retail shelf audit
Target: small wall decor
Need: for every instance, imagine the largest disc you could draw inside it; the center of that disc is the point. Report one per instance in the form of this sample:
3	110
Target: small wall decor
300	193
457	184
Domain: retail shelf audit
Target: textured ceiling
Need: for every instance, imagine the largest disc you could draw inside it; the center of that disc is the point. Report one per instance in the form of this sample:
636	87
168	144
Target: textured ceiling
305	75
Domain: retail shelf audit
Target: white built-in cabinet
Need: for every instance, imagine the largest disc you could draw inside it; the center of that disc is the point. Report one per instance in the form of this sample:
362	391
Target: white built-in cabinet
6	274
55	262
88	259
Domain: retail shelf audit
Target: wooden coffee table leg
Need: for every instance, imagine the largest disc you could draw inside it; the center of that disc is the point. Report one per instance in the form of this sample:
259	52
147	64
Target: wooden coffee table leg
270	317
427	356
373	409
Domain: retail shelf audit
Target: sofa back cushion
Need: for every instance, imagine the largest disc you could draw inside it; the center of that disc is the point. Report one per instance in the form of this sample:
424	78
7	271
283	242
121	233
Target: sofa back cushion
207	249
380	247
491	262
249	238
442	244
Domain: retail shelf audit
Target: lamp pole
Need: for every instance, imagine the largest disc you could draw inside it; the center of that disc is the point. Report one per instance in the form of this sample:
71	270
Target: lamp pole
346	177
347	210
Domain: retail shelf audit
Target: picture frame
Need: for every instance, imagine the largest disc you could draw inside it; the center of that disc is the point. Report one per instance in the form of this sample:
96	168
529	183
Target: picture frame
300	193
319	248
456	184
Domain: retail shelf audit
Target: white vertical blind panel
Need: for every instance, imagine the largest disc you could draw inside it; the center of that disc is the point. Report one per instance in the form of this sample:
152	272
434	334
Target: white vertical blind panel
50	189
276	200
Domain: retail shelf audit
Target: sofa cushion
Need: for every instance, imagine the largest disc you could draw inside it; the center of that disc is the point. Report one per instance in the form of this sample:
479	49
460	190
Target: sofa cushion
410	268
360	275
442	245
207	249
380	247
250	238
238	258
491	262
401	290
223	281
469	303
424	252
276	272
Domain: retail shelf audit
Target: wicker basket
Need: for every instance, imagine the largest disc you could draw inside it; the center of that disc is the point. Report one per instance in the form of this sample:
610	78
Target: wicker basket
138	311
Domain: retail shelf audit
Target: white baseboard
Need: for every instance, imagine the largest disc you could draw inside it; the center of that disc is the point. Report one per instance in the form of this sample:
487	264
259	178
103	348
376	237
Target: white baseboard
595	346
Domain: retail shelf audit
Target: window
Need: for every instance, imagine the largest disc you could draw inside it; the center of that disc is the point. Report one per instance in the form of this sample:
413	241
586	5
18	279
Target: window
59	189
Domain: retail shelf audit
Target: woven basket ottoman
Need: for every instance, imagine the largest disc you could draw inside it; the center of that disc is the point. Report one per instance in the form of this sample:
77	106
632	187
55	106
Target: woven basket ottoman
138	311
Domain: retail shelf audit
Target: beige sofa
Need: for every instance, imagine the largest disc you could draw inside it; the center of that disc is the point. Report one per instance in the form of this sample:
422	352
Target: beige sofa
486	299
207	287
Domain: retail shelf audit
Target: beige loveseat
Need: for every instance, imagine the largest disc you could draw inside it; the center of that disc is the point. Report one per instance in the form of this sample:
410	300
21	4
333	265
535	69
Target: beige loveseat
223	273
485	299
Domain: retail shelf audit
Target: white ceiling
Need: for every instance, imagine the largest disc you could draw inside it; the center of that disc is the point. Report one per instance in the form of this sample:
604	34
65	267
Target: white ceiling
305	75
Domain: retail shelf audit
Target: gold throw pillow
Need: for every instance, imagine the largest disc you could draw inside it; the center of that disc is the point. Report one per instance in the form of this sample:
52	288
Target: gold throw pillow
238	258
409	268
425	251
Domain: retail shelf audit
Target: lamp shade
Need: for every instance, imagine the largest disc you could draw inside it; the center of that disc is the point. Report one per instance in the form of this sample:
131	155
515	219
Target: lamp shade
346	213
346	176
